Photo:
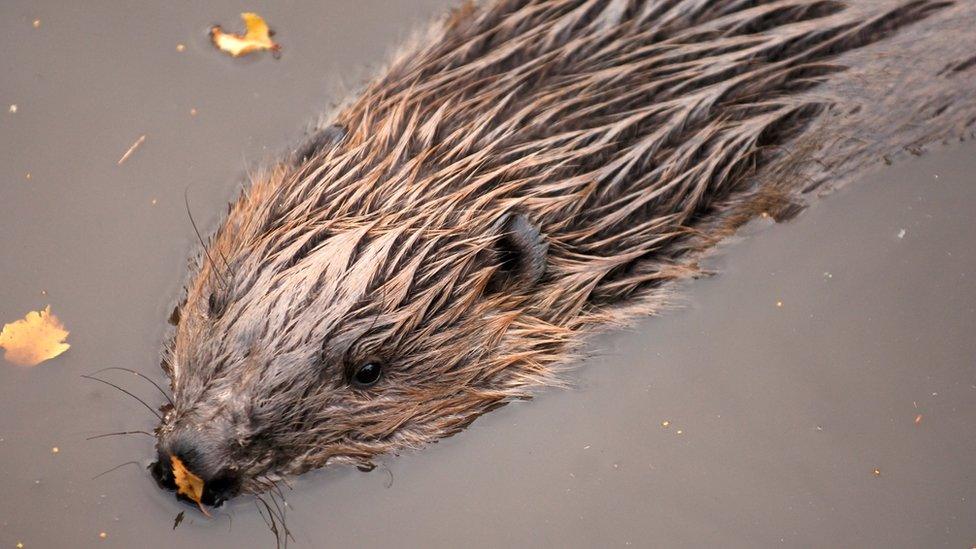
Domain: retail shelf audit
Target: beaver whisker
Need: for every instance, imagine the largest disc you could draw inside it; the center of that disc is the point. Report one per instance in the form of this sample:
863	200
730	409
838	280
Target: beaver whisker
282	516
147	433
268	520
117	467
186	201
143	402
273	486
273	491
143	376
281	536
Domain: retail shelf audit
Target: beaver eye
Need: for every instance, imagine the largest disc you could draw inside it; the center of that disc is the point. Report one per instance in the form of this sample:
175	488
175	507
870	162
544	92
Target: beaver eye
367	374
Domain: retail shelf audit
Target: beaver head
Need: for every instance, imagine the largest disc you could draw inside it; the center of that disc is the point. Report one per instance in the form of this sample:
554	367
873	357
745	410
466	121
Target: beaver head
301	344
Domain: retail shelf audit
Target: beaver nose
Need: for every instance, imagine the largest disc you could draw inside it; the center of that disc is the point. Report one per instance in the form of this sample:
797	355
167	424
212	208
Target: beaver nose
216	488
162	472
220	489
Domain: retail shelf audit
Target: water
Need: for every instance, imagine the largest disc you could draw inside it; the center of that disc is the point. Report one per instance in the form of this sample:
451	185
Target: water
784	412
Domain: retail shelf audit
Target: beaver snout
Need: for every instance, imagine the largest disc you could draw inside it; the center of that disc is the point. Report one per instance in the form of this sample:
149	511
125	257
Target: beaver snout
216	489
221	489
162	473
194	464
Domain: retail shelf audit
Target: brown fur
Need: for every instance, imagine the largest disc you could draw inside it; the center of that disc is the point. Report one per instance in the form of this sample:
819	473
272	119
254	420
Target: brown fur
635	134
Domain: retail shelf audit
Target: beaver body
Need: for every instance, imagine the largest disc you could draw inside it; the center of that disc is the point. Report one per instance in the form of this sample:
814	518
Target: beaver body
525	172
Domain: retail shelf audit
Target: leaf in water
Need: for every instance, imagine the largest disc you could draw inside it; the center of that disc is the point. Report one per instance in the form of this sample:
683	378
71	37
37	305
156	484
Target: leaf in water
187	483
257	37
37	337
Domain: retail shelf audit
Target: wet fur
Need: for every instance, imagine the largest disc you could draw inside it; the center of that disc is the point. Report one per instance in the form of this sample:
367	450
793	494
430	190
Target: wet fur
633	134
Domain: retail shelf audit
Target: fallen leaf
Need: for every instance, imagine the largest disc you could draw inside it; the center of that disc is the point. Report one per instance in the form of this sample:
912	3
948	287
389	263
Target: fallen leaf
187	483
37	337
257	37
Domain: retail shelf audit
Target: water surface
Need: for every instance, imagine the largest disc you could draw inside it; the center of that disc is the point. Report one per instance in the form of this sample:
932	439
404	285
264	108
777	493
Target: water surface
790	424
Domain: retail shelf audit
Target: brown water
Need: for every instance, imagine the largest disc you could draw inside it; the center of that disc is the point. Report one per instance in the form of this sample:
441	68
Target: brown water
778	415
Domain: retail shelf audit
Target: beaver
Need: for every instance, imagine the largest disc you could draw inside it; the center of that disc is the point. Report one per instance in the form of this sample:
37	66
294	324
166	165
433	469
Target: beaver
522	174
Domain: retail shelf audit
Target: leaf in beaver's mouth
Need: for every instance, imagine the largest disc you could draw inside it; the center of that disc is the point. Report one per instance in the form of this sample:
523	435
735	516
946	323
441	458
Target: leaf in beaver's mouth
257	37
187	483
37	337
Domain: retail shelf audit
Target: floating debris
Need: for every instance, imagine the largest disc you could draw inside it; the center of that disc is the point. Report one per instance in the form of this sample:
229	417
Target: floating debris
256	37
665	424
187	483
13	109
901	233
132	149
876	472
37	23
180	48
55	450
179	519
37	337
779	303
918	419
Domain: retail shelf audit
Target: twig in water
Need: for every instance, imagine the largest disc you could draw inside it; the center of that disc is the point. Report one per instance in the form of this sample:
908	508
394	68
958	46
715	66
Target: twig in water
132	149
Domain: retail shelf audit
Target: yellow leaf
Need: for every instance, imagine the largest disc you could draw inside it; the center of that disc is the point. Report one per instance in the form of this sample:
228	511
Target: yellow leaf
257	37
187	483
37	337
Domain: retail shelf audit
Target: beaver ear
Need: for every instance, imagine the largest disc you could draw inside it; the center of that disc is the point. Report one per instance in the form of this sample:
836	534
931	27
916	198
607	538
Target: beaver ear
523	252
174	317
319	141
